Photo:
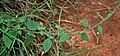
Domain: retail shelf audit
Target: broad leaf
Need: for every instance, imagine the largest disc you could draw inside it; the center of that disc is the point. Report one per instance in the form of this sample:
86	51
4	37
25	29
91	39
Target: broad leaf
51	37
100	29
7	41
41	27
31	25
64	37
84	36
13	33
19	32
47	45
85	23
12	37
42	33
58	27
22	19
29	40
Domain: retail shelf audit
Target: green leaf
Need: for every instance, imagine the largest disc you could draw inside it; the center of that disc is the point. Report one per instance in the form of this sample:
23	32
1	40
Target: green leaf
42	33
41	27
85	23
47	45
1	17
22	19
100	29
58	27
64	37
29	40
19	32
109	15
31	34
13	33
13	19
8	24
7	20
84	36
7	41
117	1
31	25
3	27
10	36
51	37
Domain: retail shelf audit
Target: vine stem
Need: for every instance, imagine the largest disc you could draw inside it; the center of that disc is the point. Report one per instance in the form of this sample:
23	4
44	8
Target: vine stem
73	32
97	23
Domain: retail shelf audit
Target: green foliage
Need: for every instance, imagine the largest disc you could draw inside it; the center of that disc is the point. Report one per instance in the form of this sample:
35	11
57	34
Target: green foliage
109	15
47	45
64	37
79	52
21	19
31	25
29	40
85	23
117	1
58	27
84	36
100	29
27	32
7	41
83	51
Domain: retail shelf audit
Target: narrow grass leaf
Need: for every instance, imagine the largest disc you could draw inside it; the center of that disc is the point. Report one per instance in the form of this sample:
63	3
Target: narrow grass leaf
47	45
79	52
3	50
23	44
64	37
84	36
20	49
100	29
85	23
109	15
14	51
38	8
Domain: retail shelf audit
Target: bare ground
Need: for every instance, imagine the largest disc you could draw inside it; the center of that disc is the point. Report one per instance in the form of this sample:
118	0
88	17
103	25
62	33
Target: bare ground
86	10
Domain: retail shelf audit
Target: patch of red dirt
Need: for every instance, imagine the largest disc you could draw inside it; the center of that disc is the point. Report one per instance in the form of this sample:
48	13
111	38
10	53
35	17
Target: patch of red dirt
86	9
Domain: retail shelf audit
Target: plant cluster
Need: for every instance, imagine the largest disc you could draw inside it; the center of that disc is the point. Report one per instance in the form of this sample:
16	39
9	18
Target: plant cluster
28	28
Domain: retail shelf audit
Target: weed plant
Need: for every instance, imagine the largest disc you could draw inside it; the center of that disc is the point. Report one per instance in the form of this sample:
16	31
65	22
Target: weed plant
28	28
